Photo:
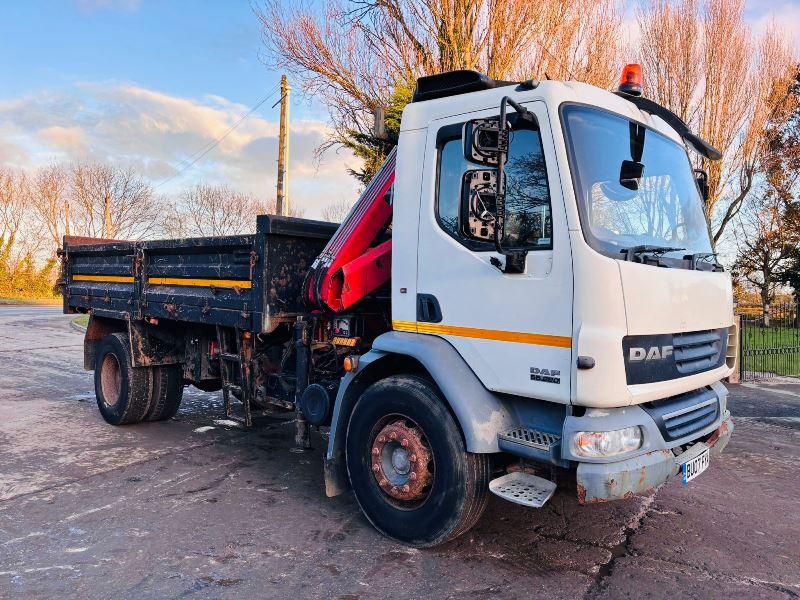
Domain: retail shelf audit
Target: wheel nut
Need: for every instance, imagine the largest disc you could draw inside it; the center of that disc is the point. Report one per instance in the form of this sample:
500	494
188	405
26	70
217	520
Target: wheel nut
376	468
404	442
384	482
406	488
412	476
375	451
393	435
413	458
382	439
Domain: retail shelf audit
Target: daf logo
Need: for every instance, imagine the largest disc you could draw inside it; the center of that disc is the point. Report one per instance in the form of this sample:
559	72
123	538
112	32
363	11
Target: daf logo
652	353
545	375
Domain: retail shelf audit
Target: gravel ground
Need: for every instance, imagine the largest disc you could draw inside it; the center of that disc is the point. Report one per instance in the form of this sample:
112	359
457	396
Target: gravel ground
198	507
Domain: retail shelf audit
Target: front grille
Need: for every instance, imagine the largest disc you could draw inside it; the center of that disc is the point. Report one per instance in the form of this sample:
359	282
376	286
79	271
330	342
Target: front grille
665	356
680	416
697	351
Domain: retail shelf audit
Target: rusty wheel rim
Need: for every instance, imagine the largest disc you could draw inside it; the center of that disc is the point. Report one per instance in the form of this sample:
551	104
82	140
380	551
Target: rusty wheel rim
401	461
110	379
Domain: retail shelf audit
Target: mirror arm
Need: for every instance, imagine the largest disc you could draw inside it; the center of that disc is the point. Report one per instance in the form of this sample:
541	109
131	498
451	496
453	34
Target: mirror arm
515	260
500	184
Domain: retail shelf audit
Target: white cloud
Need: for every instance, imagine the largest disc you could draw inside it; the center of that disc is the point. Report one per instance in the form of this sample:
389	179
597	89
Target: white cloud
68	138
786	16
758	13
158	134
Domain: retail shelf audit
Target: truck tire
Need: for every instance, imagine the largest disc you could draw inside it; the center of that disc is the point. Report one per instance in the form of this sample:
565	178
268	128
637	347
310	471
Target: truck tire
166	392
408	467
122	391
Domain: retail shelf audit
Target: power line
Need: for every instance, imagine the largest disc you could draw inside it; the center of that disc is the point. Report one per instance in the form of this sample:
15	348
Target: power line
199	154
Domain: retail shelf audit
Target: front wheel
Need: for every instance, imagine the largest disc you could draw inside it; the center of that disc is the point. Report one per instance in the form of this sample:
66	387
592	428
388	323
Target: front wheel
407	464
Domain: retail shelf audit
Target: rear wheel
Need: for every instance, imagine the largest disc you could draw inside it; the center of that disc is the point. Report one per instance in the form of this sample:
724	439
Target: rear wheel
166	392
122	391
409	470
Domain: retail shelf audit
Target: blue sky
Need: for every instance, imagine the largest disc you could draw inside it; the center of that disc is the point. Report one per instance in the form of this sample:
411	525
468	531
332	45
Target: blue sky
147	83
183	48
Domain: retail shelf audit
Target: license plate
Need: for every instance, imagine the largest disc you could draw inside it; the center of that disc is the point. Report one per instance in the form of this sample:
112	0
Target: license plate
695	466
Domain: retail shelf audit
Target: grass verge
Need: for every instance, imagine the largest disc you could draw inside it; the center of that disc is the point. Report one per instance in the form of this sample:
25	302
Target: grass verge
81	321
29	301
771	350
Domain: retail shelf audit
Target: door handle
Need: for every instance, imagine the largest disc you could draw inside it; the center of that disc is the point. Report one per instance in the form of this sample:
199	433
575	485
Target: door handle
428	309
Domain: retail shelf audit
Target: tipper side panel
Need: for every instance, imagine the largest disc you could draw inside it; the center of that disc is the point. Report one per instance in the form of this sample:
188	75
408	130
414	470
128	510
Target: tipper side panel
251	282
210	280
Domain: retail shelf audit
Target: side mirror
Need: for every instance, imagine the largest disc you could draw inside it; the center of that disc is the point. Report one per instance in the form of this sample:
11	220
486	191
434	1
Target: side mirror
701	179
483	204
483	141
479	204
630	174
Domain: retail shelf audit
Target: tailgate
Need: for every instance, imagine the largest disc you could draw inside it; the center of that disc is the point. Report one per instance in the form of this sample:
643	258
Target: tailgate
98	275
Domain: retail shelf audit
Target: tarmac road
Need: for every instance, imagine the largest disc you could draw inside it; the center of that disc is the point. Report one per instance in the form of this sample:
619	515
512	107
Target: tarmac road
194	507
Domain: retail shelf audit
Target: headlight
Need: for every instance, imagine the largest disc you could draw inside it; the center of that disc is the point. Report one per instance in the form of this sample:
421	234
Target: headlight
601	444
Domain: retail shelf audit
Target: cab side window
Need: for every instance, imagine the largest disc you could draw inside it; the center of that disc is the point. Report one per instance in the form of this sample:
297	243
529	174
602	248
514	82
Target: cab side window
528	220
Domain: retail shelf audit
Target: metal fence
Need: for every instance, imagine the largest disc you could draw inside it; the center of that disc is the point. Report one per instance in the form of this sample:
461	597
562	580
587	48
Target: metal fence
769	344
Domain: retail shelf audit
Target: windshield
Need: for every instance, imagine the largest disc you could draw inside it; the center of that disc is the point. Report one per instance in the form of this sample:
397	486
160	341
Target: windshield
634	186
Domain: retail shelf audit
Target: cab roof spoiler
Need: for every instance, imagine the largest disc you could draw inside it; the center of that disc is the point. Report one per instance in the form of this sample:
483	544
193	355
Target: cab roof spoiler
453	83
699	145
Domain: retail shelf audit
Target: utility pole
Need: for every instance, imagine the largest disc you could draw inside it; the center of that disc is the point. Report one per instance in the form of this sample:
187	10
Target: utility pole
107	217
66	217
282	204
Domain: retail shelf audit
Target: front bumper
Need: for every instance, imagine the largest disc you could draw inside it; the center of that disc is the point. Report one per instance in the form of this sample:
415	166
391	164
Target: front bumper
599	482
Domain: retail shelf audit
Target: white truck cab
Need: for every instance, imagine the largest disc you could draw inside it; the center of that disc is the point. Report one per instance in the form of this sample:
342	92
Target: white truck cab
578	295
598	343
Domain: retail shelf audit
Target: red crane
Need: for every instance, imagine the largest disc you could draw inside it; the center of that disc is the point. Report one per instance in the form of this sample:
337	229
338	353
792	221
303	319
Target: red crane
358	258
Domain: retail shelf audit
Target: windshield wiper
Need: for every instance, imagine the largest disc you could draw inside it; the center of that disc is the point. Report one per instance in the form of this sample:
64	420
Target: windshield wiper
709	258
635	253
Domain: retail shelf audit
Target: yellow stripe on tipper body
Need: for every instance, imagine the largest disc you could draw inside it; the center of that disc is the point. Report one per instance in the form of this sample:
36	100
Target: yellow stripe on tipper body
536	339
229	283
104	278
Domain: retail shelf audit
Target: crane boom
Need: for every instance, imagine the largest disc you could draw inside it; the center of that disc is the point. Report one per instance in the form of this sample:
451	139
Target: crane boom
357	260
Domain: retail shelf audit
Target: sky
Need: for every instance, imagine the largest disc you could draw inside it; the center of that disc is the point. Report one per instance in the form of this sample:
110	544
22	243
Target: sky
150	83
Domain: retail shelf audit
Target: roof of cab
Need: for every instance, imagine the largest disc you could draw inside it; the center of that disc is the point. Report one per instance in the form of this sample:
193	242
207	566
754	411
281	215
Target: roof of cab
486	94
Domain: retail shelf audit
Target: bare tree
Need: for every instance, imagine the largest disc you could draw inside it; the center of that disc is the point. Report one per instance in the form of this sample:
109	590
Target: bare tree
215	210
269	207
111	202
20	276
701	62
49	189
17	240
359	53
13	205
336	211
211	210
766	240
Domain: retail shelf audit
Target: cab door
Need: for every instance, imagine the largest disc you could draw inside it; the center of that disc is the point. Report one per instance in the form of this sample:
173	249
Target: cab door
514	330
